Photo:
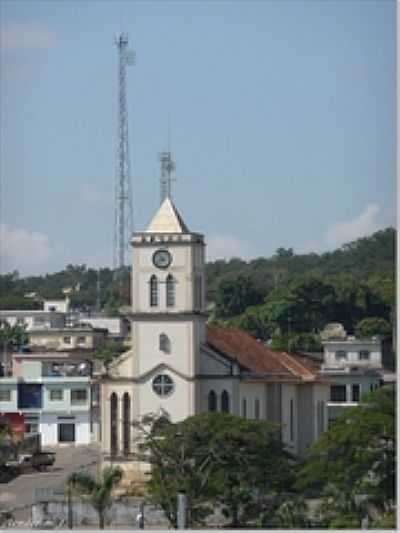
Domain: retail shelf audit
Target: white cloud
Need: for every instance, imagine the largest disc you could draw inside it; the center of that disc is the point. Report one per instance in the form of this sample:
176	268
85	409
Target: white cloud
349	230
19	35
24	250
228	246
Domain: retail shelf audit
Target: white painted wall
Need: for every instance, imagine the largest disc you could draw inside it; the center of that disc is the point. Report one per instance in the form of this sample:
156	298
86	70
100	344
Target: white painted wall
218	386
352	349
179	405
251	391
289	392
146	344
48	427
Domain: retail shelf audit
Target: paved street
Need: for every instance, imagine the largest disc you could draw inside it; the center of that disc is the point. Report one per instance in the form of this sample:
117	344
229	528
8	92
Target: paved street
19	491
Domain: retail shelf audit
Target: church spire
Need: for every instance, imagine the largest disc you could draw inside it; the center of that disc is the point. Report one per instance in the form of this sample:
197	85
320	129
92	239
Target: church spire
167	219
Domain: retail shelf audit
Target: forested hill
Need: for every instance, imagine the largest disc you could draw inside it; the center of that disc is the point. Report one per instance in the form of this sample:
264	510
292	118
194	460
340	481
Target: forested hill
287	293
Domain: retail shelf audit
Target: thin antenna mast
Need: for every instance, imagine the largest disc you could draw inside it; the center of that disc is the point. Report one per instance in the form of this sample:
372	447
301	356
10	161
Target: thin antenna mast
167	168
123	209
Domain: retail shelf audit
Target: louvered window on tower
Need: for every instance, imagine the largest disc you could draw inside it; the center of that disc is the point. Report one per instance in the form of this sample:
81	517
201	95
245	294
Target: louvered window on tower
153	291
170	291
165	343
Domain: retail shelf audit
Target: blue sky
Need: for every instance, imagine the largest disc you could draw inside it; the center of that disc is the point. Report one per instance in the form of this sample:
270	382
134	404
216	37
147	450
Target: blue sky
282	123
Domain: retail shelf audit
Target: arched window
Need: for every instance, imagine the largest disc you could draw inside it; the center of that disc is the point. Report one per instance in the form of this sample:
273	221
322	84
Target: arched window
114	423
164	343
257	409
244	408
170	291
153	291
126	422
225	402
212	401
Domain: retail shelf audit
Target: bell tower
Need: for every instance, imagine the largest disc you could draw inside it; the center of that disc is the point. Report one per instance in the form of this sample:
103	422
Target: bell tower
168	313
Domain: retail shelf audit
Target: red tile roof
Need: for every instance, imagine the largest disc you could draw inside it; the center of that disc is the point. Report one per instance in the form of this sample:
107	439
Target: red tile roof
257	358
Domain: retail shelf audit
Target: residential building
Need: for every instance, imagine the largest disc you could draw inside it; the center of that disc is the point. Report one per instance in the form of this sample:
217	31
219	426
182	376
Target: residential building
355	368
53	392
66	339
34	319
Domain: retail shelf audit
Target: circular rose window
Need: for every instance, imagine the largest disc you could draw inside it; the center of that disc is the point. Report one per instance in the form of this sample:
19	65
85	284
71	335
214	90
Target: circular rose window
163	385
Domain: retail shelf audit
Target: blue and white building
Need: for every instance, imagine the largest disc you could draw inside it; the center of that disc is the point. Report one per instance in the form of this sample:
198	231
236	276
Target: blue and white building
54	393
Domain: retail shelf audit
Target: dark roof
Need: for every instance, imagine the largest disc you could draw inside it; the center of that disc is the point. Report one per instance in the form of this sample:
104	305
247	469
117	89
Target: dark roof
256	358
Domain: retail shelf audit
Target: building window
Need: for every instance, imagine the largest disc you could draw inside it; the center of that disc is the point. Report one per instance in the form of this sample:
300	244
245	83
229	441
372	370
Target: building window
338	393
153	291
291	420
29	396
5	395
170	291
163	385
225	408
56	395
373	386
31	427
355	392
114	424
67	340
164	343
257	409
78	396
244	408
340	355
126	406
212	401
81	340
364	355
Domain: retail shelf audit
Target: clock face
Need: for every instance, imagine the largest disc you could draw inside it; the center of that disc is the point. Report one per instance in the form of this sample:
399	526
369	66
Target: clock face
162	258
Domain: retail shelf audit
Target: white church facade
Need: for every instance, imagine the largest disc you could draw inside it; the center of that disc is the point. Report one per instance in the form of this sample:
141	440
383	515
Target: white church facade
181	366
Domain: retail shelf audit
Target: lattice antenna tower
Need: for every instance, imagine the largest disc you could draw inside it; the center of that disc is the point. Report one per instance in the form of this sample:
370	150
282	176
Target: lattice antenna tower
123	208
166	179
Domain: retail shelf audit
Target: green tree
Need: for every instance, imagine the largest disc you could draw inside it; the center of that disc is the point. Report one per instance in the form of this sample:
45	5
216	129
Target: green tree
12	336
98	492
355	458
368	327
234	295
297	342
302	305
215	457
107	353
253	320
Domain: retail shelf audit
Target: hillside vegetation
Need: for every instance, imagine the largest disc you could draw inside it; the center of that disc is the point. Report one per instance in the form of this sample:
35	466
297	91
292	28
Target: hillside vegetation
287	297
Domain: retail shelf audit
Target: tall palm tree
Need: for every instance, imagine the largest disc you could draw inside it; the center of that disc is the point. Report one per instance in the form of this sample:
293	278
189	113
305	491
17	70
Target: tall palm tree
97	491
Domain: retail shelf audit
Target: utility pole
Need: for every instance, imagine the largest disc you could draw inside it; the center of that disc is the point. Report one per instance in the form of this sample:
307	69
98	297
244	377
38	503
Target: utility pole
181	511
123	208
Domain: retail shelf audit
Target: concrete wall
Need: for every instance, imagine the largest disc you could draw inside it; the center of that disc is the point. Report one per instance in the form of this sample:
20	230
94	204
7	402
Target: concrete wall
352	349
251	392
229	384
66	339
9	384
48	427
289	427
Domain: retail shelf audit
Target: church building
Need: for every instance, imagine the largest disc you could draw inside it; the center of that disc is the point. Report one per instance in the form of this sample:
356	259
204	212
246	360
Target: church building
181	366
